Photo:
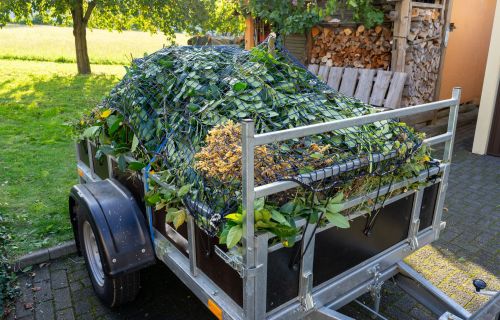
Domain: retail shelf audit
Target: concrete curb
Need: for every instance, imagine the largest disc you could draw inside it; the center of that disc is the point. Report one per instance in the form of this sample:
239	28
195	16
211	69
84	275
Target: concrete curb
45	255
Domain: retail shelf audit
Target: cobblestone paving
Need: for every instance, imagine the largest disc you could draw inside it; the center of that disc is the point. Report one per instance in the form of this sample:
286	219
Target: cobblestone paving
468	248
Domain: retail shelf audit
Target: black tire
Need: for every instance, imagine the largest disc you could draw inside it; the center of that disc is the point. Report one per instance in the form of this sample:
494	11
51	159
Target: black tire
112	291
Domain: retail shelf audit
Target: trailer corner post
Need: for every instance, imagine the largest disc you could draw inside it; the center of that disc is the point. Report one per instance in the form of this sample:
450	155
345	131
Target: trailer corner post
415	219
306	267
192	245
261	253
248	239
452	124
438	211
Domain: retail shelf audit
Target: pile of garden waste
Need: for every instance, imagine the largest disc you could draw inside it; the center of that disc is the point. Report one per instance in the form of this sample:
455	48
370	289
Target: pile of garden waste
178	111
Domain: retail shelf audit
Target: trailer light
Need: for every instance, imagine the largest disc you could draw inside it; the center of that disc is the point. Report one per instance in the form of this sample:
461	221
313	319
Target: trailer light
80	172
215	309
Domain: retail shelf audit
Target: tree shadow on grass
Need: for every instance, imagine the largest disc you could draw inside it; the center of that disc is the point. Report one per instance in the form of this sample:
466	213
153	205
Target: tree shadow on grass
37	161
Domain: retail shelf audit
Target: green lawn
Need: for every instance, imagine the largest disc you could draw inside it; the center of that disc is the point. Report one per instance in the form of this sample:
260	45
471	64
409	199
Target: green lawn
37	157
48	43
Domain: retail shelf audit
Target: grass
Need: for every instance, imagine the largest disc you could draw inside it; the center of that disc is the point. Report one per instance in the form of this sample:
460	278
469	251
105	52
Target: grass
37	157
56	44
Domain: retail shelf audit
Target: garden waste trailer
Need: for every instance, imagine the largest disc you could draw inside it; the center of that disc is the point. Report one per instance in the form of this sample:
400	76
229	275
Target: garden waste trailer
268	194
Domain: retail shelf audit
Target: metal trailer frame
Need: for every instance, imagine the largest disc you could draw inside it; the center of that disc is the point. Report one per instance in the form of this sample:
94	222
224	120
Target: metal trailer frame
318	302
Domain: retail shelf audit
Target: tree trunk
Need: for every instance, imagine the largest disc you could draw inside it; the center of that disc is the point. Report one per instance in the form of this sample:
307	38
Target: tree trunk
80	34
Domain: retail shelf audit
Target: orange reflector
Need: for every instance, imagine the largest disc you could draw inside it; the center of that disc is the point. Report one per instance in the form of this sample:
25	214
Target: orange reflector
80	172
215	309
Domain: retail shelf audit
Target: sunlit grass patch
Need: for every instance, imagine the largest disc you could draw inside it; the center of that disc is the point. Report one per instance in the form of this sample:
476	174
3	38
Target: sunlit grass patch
56	44
37	156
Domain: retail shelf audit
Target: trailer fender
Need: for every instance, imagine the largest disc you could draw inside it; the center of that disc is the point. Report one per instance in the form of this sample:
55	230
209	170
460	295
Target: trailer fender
121	230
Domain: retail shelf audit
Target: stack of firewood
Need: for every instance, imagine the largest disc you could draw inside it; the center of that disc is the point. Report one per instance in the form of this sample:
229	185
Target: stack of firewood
425	24
423	56
352	47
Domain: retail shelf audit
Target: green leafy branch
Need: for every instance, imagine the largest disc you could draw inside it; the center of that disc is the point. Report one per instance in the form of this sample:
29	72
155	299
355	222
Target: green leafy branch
281	220
297	16
170	200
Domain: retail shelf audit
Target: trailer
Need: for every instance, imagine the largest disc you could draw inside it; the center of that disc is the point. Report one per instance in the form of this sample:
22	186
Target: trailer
119	234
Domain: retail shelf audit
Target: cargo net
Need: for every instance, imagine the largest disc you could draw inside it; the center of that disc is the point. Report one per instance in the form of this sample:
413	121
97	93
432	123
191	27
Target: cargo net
185	106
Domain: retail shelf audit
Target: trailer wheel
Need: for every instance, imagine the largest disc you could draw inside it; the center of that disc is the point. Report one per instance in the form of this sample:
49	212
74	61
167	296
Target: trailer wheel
112	291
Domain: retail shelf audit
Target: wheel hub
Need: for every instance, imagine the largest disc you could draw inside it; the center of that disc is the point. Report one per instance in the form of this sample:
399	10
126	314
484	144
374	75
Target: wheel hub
92	251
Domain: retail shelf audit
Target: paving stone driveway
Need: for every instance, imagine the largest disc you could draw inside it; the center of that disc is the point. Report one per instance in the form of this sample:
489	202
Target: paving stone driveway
468	248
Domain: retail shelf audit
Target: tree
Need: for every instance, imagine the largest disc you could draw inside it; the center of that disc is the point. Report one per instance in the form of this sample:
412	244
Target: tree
167	16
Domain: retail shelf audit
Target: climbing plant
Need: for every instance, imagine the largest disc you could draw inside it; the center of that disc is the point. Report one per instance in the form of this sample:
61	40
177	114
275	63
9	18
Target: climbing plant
295	16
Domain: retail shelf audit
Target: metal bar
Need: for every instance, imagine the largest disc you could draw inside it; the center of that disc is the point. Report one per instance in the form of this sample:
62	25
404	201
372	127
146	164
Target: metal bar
438	139
110	160
327	314
192	245
415	219
87	174
306	268
383	191
279	186
78	159
318	128
490	310
452	124
201	285
248	240
373	312
261	253
91	160
438	210
426	293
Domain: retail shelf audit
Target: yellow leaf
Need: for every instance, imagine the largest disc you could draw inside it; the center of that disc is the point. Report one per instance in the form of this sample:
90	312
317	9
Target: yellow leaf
236	217
426	158
106	114
179	218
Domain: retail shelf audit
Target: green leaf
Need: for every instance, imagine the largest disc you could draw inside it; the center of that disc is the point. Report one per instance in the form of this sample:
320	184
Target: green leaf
259	204
91	132
239	86
306	169
193	107
338	198
152	198
234	236
183	190
166	63
136	165
334	207
266	215
288	207
338	220
317	155
135	143
283	231
122	163
113	122
223	234
278	217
